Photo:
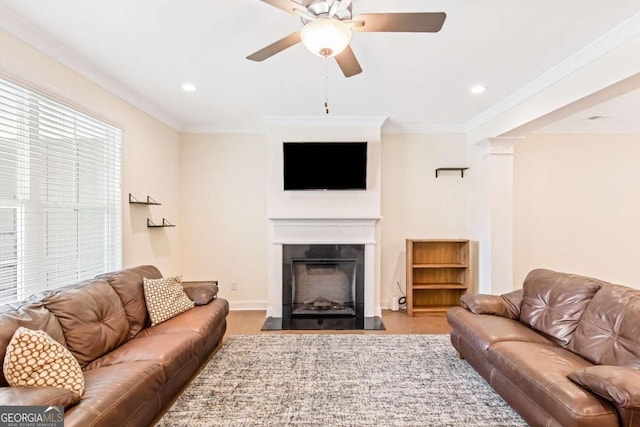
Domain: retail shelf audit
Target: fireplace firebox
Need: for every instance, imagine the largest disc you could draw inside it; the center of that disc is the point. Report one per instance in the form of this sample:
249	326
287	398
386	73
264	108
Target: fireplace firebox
323	287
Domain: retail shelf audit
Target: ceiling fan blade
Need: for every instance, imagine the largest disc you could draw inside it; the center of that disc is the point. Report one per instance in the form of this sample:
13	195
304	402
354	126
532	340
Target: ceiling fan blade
428	22
348	62
277	47
288	6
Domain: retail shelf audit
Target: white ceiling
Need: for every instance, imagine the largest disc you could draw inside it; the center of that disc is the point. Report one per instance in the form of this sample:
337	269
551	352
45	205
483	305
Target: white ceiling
146	49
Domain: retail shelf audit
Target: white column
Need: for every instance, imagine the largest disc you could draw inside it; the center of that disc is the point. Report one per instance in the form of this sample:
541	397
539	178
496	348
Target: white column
490	212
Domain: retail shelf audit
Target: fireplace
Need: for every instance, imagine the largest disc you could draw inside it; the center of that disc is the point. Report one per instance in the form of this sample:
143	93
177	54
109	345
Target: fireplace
323	286
340	249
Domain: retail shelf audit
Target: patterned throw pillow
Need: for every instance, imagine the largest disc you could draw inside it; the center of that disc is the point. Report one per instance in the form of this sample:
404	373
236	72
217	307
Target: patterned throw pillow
165	298
34	359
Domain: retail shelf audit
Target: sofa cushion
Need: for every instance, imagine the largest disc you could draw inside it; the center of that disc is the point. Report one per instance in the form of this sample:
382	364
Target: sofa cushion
115	395
202	320
554	302
609	331
171	351
483	330
128	284
208	321
165	298
92	318
540	372
34	359
29	315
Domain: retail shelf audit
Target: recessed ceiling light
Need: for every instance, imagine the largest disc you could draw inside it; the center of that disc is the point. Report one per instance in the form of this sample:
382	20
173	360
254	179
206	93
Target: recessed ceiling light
188	87
477	89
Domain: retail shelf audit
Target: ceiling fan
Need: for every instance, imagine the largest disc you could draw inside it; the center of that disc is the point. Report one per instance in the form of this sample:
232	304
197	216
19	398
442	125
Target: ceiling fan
328	25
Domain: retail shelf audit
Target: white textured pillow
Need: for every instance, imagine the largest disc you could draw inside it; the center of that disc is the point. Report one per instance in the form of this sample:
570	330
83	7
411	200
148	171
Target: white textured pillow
165	298
34	359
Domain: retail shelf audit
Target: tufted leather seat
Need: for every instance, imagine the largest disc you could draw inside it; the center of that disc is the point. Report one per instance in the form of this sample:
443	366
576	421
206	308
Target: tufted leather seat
133	372
538	347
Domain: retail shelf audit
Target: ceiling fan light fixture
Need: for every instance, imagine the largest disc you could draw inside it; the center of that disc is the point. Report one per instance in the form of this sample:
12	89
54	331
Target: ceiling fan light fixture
325	37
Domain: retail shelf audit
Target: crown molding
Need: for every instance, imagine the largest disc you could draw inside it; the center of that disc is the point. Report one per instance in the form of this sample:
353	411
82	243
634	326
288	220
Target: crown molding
330	121
387	126
26	31
225	129
418	128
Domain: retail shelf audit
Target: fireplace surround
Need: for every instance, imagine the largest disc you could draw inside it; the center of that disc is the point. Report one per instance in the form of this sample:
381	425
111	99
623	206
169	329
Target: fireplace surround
323	284
317	245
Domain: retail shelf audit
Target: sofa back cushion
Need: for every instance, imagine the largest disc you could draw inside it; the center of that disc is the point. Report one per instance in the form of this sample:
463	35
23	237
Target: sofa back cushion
29	315
92	317
609	330
553	302
128	284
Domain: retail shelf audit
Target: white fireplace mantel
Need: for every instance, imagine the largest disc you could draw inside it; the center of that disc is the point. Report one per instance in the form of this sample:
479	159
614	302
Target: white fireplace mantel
323	230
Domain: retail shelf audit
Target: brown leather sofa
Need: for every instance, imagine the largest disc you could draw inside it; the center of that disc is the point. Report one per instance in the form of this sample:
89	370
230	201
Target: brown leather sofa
562	351
133	372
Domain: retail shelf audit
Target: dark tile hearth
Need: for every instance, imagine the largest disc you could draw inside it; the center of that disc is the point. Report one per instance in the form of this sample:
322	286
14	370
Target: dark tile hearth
324	323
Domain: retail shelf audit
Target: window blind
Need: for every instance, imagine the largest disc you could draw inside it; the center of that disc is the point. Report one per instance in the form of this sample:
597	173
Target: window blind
60	194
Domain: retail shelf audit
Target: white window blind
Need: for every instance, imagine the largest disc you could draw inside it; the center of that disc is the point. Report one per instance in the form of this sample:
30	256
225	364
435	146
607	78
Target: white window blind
60	194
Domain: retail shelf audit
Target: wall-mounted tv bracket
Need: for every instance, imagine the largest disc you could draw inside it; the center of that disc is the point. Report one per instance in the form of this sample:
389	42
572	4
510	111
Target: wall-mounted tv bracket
452	169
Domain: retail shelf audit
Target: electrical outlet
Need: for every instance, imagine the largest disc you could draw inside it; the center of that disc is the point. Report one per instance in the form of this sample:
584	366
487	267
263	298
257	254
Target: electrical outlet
234	285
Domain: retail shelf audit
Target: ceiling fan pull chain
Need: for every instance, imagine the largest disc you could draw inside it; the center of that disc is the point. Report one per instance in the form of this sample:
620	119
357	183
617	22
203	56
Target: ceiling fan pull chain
326	86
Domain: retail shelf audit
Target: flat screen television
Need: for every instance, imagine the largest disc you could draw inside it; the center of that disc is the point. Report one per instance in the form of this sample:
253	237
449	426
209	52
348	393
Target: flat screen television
325	166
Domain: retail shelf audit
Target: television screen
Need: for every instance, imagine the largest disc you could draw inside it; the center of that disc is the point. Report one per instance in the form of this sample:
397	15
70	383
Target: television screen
325	165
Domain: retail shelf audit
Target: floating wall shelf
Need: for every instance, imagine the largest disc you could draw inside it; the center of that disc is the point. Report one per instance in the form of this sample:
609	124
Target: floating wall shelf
134	201
165	223
149	201
452	169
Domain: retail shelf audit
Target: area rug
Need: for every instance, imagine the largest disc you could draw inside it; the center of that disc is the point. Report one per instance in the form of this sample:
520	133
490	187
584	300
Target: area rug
339	380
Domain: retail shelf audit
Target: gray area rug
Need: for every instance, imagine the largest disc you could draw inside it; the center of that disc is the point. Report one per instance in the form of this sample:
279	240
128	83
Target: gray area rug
339	380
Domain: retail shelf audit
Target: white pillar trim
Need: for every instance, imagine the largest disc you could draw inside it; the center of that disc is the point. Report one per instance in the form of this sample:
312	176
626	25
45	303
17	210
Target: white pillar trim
493	207
500	145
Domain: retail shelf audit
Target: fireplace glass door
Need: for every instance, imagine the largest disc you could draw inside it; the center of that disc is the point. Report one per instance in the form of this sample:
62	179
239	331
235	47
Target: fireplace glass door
323	287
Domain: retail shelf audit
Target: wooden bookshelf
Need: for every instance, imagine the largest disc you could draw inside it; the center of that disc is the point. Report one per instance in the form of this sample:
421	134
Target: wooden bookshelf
437	274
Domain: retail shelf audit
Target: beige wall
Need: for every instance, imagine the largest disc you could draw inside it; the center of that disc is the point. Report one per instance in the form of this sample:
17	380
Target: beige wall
224	214
224	207
577	206
414	203
150	150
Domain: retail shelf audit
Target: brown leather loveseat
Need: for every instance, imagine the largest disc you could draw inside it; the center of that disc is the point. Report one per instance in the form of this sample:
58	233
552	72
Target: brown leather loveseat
132	371
562	351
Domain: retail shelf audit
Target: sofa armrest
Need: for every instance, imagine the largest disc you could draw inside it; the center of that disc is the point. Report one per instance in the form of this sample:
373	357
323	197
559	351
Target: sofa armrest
506	305
201	292
618	384
38	396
